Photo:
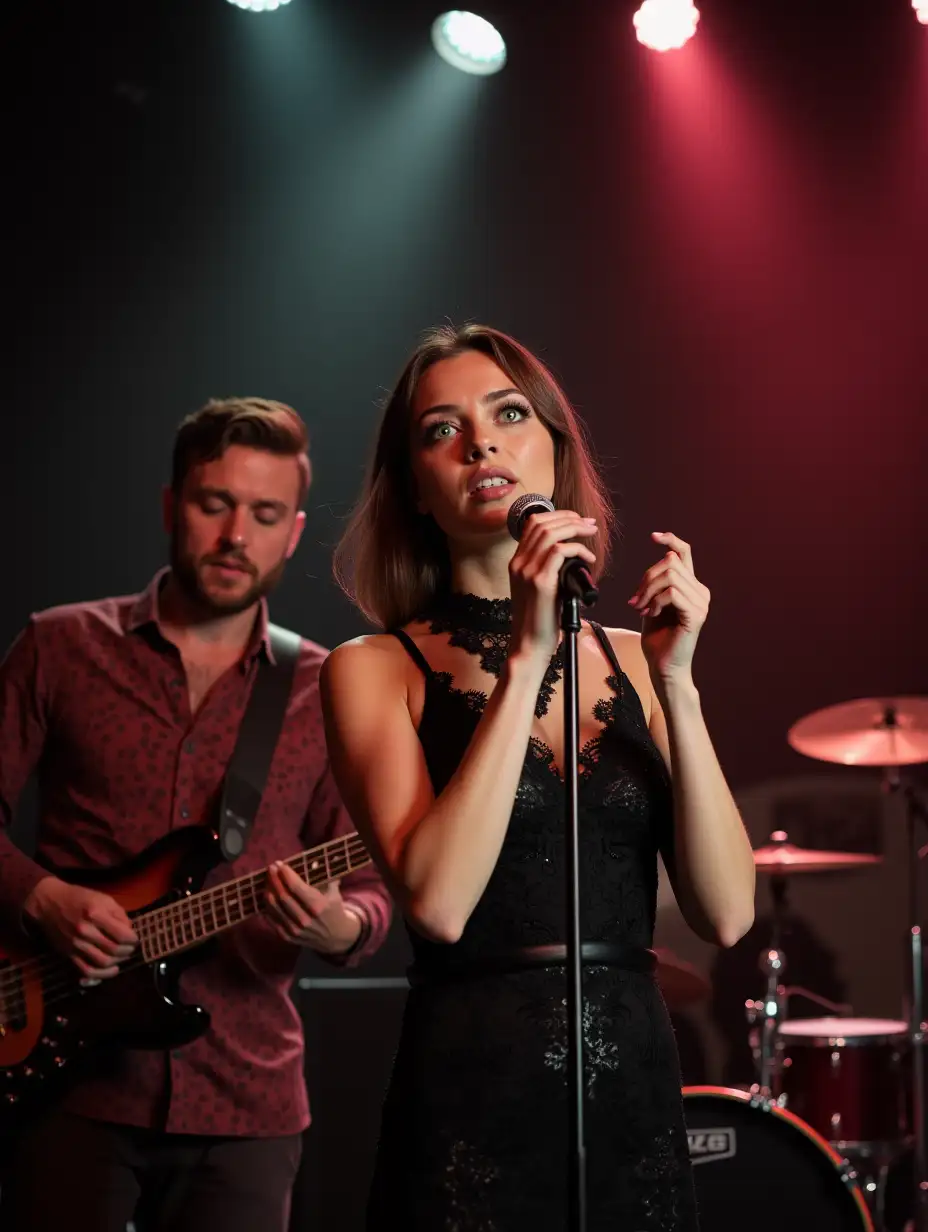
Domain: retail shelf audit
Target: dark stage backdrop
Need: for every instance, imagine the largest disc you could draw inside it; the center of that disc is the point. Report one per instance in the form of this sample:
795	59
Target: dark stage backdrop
722	253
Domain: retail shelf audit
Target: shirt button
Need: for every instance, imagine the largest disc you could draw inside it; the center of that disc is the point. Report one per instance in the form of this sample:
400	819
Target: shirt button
184	813
189	747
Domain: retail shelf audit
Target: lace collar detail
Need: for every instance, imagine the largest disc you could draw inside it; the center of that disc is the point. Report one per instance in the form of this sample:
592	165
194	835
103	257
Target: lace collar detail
482	627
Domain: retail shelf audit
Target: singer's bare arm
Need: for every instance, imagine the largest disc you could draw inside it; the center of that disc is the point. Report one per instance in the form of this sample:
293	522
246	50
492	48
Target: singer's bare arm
437	854
711	866
712	871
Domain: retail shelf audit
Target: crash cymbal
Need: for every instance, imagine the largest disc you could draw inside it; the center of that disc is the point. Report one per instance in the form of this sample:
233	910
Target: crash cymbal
883	731
784	859
680	982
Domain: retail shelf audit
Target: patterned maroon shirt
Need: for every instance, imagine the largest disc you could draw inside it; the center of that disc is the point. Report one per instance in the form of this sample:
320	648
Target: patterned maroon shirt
95	700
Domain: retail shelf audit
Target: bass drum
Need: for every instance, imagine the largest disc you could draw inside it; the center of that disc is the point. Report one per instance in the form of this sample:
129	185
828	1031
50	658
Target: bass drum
760	1167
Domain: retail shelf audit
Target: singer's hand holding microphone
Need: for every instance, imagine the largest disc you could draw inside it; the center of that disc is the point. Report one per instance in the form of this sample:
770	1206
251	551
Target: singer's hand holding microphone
547	542
671	600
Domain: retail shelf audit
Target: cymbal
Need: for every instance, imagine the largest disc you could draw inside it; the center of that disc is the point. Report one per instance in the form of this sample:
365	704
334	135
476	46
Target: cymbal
784	859
680	982
881	731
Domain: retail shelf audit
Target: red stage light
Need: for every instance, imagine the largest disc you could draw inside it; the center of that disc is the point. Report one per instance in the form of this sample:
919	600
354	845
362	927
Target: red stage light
664	25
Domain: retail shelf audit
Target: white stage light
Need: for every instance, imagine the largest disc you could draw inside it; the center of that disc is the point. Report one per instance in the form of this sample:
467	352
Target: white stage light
665	25
259	6
468	42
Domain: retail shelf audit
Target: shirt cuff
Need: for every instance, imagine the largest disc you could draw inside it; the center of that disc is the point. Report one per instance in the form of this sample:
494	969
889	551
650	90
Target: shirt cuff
363	935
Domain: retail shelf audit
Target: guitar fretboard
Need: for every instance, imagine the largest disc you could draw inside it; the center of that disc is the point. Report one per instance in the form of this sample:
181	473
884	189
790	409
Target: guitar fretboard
168	930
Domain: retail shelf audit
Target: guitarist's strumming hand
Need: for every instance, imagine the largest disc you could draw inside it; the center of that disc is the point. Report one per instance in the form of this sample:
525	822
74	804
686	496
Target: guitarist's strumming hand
307	916
89	927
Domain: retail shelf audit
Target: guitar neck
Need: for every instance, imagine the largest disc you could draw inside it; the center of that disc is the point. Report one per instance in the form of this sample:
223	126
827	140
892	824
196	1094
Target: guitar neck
190	921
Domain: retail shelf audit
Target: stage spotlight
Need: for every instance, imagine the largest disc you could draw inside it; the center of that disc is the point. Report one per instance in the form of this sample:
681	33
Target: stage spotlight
664	25
468	42
259	6
921	10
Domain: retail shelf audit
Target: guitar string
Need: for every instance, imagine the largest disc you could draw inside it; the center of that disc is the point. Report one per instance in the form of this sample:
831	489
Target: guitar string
165	924
68	981
152	920
160	924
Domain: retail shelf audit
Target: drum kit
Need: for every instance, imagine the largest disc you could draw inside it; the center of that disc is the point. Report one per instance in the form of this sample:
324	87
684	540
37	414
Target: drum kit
833	1128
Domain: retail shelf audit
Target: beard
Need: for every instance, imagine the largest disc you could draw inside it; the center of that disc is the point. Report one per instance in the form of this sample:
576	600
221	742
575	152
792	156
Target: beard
212	603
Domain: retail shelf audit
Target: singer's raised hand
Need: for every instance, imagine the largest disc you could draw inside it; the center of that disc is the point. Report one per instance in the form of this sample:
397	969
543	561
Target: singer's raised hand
673	604
547	540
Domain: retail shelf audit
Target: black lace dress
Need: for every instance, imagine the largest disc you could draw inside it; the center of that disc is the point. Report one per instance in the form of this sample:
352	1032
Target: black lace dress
474	1135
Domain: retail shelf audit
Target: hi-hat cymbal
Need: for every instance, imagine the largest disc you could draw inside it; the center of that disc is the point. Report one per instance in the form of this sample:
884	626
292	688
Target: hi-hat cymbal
872	731
679	981
784	859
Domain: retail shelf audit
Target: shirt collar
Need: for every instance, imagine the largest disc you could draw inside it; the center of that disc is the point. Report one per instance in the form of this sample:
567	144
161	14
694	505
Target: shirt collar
144	612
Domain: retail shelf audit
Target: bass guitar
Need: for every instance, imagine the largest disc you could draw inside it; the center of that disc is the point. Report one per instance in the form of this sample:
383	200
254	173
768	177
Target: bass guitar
49	1021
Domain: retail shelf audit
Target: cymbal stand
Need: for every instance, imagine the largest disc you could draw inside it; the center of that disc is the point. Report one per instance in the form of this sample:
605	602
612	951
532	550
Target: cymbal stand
765	1039
915	1001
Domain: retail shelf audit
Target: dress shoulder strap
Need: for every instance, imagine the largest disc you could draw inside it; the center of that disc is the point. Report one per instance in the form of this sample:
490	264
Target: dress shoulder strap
608	648
413	651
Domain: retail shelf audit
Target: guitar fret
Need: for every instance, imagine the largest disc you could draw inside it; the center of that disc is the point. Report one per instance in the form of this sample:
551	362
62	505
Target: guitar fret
176	933
166	930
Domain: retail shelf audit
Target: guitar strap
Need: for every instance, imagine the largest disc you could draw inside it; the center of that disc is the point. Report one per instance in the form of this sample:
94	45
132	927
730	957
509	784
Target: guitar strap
247	772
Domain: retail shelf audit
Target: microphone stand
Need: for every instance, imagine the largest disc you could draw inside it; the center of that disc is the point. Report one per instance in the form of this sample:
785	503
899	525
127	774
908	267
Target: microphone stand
570	601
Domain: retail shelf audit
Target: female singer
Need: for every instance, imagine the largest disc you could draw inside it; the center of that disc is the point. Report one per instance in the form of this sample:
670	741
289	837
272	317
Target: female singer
446	734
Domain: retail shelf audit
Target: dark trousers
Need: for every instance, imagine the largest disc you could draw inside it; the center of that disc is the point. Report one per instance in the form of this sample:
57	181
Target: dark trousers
71	1174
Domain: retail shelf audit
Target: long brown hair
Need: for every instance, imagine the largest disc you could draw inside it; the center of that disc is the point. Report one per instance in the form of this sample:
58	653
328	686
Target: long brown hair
392	559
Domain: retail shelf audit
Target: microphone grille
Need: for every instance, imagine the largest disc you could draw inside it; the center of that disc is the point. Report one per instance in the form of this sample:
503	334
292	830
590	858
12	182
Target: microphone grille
524	507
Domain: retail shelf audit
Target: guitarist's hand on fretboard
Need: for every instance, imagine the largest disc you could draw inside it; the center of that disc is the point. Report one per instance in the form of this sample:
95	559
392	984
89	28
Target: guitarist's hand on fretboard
305	915
89	927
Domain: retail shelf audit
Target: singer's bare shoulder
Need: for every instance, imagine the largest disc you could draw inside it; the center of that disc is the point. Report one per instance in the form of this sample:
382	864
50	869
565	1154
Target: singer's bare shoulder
373	666
371	652
627	646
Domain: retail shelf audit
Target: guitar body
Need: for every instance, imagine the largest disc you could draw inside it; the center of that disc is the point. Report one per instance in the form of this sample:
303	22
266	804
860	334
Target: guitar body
50	1027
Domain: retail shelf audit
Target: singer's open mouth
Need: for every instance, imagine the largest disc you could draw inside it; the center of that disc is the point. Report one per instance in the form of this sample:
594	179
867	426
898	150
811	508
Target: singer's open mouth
491	481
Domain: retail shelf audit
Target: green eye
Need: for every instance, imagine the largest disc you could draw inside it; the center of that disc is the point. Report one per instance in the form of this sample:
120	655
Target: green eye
440	431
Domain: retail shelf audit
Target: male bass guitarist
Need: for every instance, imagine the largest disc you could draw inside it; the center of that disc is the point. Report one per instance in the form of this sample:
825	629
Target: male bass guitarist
129	711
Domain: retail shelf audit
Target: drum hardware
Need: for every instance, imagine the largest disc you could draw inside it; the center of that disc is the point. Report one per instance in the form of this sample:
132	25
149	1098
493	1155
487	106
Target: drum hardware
780	860
754	1010
915	1016
887	733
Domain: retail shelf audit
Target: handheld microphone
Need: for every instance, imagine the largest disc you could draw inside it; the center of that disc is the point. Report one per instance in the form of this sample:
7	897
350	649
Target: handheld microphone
575	580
